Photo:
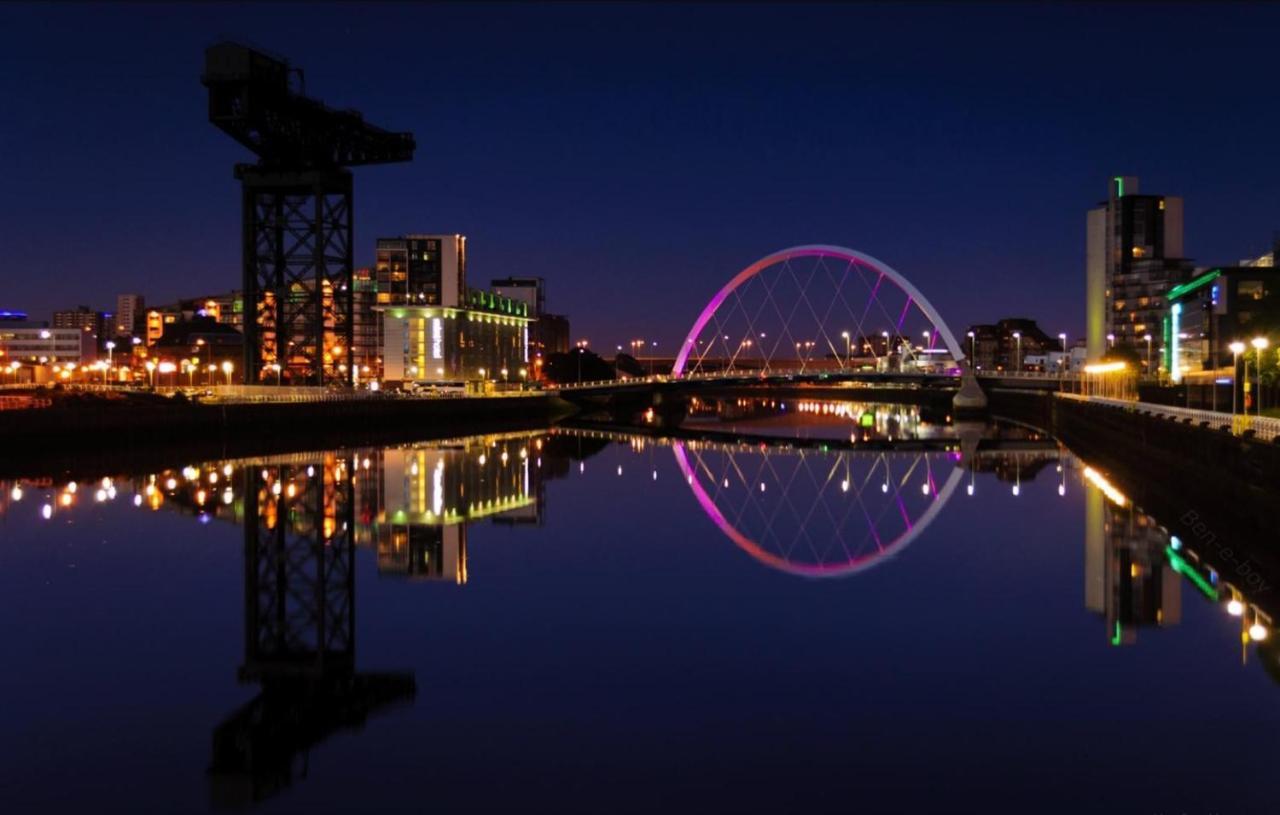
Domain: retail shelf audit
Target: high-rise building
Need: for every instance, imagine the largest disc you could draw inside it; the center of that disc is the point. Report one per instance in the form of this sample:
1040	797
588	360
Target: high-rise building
366	328
1133	257
549	333
130	311
98	324
421	270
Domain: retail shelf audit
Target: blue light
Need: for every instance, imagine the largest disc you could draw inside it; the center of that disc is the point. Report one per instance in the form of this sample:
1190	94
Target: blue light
1175	543
1213	294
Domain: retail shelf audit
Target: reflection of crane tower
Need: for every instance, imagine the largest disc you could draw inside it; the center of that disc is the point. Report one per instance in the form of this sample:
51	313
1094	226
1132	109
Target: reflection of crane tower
297	241
299	629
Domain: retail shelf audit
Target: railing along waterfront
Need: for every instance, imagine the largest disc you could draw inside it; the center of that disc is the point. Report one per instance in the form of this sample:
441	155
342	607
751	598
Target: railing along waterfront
1263	427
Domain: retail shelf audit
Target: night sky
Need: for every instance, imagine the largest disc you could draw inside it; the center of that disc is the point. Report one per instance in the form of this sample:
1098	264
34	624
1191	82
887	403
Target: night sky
638	156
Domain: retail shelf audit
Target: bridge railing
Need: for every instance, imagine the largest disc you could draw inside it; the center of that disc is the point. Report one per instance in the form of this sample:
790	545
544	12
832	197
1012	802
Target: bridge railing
1263	427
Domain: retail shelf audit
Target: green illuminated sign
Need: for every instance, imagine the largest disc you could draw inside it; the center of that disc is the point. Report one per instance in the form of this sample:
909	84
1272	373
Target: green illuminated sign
1186	288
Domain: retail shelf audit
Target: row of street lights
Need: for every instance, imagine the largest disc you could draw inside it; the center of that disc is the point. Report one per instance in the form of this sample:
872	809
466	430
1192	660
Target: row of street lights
1237	349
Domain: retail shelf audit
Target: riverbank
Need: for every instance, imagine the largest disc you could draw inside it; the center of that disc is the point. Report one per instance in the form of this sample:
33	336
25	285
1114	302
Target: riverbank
1168	466
85	433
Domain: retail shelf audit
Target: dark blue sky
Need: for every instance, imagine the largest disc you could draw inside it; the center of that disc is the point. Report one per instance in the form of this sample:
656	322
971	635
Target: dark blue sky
638	156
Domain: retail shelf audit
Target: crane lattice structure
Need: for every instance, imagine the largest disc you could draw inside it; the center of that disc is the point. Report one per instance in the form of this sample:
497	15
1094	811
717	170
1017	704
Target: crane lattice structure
297	212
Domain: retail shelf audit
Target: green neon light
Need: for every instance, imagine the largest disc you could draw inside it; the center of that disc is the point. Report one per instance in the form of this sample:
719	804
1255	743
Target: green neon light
1115	638
1186	288
1186	569
867	419
1119	194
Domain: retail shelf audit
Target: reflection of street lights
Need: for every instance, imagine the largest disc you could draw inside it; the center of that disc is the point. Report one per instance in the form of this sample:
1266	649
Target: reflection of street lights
1259	343
1237	348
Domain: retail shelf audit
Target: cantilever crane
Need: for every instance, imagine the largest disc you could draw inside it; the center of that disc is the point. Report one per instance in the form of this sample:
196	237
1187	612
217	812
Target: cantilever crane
297	205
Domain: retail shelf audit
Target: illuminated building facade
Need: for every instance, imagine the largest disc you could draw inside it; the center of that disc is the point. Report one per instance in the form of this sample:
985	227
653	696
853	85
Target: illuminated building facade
31	343
487	339
366	330
1133	258
1220	306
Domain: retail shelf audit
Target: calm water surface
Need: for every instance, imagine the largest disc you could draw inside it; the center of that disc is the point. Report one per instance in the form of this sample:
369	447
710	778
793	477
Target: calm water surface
586	621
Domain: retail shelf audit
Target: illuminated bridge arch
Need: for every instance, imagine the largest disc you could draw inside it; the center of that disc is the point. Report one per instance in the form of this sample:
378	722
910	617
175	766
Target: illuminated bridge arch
815	308
818	514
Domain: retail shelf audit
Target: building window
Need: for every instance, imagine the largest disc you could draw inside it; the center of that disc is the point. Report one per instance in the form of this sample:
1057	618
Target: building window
1251	289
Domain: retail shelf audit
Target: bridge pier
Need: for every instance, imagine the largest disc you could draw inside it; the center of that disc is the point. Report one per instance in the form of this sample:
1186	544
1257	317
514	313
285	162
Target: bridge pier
970	399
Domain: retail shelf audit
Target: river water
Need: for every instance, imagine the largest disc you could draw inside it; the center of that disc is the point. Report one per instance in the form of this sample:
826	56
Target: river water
815	607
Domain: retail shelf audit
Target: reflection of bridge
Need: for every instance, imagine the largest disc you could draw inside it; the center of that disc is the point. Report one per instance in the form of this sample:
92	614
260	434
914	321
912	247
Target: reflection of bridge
828	507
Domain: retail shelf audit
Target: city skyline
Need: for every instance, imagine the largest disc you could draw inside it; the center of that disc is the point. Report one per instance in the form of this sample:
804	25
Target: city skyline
558	142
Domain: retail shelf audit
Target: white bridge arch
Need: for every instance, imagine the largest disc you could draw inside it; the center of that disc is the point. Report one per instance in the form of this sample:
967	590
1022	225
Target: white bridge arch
733	325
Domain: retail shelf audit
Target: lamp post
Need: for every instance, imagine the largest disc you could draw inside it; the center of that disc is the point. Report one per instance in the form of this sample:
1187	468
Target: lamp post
848	348
1111	342
227	367
151	371
1237	348
973	351
1259	343
1063	367
1017	338
1147	337
111	348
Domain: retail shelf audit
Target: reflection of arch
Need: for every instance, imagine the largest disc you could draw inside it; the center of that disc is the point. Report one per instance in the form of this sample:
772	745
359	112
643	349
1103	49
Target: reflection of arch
853	565
821	251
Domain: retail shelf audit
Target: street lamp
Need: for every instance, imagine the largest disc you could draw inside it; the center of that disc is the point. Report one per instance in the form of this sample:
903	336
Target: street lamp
1111	341
1017	338
151	371
1147	337
1237	348
848	348
111	359
1259	343
973	349
227	368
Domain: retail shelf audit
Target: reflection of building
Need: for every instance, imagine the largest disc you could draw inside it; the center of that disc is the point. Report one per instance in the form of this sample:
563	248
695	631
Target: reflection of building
1221	306
1133	257
1127	578
417	501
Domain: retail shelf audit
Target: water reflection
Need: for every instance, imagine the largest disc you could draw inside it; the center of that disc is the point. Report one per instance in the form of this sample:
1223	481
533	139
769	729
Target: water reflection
814	506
